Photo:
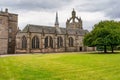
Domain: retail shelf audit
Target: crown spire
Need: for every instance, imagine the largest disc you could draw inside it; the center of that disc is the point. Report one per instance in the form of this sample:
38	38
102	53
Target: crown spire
56	20
73	13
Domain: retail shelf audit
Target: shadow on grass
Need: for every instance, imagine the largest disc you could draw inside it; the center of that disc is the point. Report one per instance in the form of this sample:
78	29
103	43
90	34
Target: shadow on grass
104	53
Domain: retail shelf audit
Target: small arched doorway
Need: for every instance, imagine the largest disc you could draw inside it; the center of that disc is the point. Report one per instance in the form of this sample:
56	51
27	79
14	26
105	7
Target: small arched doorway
80	48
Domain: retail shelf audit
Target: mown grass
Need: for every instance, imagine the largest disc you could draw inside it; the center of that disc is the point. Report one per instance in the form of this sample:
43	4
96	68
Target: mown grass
74	66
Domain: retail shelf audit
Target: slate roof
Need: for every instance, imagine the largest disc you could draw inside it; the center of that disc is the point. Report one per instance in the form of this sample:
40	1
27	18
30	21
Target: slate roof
52	30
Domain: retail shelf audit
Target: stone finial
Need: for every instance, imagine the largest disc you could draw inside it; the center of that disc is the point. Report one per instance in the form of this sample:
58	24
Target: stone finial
6	10
73	13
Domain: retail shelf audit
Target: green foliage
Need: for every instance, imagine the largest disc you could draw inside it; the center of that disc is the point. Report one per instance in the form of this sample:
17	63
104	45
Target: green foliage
60	67
105	33
88	39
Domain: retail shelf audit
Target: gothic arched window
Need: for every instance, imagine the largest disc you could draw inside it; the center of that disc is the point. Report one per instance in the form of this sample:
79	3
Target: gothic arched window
35	42
71	42
59	42
24	42
48	42
51	42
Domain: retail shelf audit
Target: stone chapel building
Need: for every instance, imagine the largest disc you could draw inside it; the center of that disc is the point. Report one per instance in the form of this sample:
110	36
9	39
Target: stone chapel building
41	39
37	38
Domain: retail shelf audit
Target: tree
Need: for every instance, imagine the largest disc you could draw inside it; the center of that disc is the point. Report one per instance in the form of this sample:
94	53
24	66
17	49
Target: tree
105	33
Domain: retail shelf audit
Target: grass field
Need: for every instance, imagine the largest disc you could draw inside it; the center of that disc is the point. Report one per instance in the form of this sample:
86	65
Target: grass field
73	66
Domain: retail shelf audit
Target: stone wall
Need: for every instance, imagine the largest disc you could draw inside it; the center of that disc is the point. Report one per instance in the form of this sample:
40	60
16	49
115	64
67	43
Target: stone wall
8	31
12	31
3	33
78	43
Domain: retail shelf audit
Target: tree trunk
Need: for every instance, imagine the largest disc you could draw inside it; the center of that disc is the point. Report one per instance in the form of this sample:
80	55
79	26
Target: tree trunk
105	49
112	48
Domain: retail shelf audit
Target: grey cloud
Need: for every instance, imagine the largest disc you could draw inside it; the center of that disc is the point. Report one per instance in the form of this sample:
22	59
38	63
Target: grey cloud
114	10
34	4
93	6
109	7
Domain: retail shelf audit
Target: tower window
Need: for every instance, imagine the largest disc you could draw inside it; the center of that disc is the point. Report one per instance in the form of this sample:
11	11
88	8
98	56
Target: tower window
10	30
9	49
10	17
10	39
0	21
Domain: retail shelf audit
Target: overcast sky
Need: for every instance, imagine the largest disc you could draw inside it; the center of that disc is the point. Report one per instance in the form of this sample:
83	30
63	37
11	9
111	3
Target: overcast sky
42	12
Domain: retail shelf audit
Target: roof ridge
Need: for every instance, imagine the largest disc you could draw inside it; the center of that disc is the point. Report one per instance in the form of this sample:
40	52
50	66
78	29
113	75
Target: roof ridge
39	25
43	26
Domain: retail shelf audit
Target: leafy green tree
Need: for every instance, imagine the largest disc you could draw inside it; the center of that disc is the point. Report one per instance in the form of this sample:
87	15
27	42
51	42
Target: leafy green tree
105	33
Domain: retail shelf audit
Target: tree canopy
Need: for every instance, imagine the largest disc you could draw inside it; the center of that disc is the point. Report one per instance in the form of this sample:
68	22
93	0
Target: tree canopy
105	33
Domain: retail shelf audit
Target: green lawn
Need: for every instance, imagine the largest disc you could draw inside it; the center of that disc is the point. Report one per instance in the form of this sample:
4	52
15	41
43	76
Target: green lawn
73	66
